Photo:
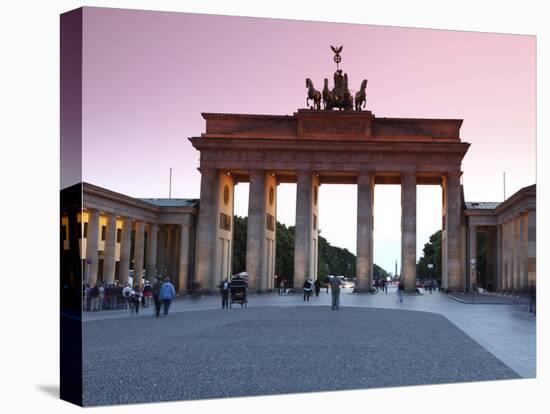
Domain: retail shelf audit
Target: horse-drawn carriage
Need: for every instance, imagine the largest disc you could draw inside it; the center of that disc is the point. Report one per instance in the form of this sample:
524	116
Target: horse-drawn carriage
238	291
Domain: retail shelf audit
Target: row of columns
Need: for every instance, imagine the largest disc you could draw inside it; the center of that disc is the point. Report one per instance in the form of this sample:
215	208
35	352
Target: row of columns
167	254
514	253
306	230
516	249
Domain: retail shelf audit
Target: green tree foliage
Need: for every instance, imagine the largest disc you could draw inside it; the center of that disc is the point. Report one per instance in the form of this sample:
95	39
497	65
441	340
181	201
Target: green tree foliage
331	260
431	254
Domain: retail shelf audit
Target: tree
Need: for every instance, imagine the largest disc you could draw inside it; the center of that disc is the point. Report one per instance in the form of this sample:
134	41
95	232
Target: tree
331	260
431	254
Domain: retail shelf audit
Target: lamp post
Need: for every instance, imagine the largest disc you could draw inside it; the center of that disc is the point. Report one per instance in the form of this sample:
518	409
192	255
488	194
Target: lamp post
430	268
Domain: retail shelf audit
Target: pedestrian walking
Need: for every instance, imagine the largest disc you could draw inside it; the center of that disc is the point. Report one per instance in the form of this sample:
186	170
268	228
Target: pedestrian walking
94	294
224	287
327	282
400	290
307	289
147	293
88	297
376	284
136	299
126	293
167	294
431	286
156	292
335	284
317	287
101	296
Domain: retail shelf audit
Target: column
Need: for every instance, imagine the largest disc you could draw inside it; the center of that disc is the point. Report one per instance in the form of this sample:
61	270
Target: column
314	228
516	253
532	248
110	246
139	242
255	235
365	201
176	255
303	229
161	251
267	277
451	266
498	286
509	257
169	258
472	256
183	271
408	230
92	241
152	240
206	230
523	253
125	246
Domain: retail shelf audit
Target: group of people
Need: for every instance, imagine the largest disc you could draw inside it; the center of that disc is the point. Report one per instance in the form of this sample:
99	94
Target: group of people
310	286
115	296
381	285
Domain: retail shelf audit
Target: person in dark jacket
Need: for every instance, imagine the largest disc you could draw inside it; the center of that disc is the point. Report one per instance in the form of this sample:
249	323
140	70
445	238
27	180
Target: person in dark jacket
224	290
156	292
307	289
335	284
317	287
136	299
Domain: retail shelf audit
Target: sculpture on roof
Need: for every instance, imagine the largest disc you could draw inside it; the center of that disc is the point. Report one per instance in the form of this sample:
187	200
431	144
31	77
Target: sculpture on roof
313	94
340	96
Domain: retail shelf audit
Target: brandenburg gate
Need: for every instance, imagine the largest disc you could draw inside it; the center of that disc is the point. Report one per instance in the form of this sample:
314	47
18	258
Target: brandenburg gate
310	148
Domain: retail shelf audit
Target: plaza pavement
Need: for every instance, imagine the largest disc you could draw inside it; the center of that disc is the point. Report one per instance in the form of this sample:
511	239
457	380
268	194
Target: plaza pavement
202	351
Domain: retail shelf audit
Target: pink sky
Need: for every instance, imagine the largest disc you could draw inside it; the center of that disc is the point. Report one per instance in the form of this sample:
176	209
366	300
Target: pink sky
149	75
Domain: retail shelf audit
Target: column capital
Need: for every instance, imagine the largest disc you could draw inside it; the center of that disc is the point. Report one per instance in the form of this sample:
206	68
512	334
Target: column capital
453	174
207	171
365	173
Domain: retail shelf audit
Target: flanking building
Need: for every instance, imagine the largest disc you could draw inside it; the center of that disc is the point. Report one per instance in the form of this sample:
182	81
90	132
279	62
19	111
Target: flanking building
506	261
122	239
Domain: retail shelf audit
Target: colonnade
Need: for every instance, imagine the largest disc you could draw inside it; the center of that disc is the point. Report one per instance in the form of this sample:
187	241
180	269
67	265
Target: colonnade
158	249
216	206
513	249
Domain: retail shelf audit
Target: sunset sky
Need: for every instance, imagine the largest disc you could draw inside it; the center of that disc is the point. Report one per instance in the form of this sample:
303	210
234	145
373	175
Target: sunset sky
149	75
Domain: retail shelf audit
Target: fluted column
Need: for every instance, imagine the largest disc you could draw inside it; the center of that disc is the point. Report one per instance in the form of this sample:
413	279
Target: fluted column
110	247
183	271
365	200
516	253
302	240
138	252
125	250
92	241
472	255
206	231
523	278
170	251
509	255
451	265
255	229
408	230
499	265
152	239
176	255
532	248
161	251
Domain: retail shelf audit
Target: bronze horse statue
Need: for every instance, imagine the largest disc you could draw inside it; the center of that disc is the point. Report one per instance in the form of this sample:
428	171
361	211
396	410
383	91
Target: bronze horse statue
361	96
314	95
326	96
